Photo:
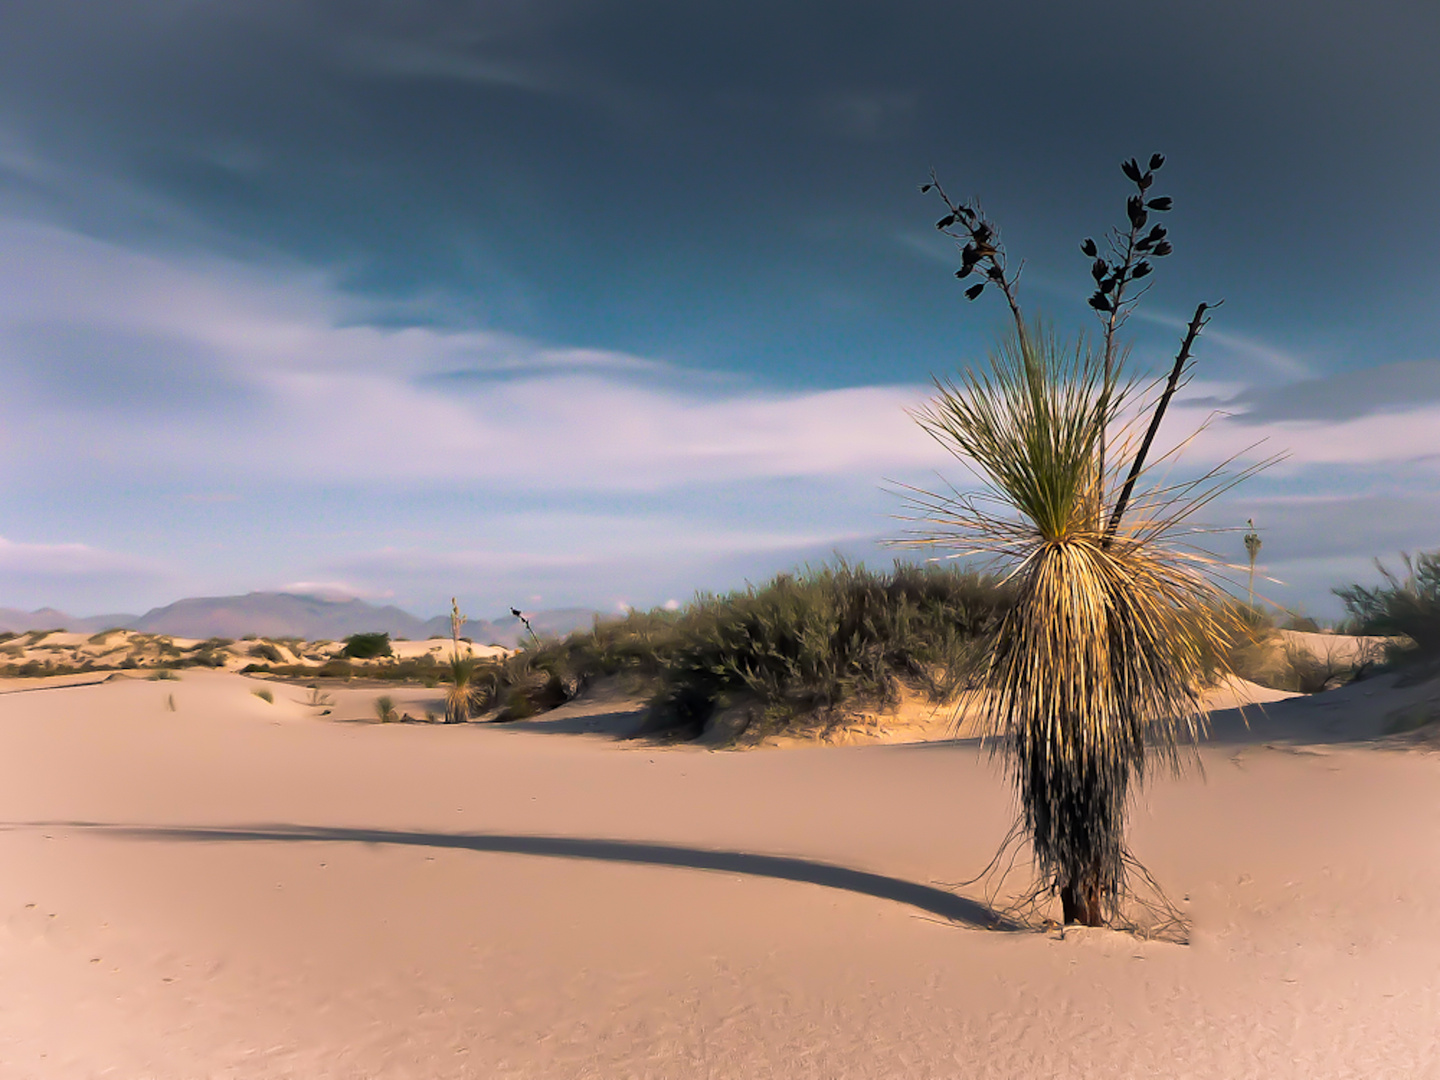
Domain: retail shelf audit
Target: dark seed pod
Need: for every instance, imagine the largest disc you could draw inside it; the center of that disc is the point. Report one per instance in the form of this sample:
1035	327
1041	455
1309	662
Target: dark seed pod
1156	234
1099	302
995	273
1089	248
964	271
974	290
969	256
1131	169
1141	269
1163	248
1107	286
925	187
1135	208
945	222
1162	203
1098	268
1146	181
1156	160
982	233
1143	244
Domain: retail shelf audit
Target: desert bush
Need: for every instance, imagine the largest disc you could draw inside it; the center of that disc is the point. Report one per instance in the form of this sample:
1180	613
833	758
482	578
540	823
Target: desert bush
266	651
385	709
420	670
1407	607
367	646
265	694
800	644
811	643
209	653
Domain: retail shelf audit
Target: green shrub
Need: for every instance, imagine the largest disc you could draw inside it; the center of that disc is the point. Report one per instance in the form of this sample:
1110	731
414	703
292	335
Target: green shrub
367	646
265	651
266	695
810	643
1406	607
799	644
209	653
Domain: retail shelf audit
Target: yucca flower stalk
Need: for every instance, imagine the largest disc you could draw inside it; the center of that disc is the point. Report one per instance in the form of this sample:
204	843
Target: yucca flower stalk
1100	663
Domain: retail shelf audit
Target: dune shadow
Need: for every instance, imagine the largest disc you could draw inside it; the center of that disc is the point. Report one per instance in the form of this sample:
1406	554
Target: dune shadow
928	898
621	724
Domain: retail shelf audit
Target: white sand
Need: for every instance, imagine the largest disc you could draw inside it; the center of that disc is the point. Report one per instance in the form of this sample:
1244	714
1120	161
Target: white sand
428	901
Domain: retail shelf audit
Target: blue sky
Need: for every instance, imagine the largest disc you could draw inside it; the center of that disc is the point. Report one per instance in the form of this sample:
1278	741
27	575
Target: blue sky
603	303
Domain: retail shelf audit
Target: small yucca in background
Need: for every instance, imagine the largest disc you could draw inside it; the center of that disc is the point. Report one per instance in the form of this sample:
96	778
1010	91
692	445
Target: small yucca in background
460	696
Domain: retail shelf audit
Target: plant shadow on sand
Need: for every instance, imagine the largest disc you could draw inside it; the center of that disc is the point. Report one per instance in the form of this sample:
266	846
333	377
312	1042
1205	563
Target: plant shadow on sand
928	898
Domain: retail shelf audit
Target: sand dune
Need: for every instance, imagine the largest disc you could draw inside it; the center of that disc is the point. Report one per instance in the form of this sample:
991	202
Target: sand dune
240	888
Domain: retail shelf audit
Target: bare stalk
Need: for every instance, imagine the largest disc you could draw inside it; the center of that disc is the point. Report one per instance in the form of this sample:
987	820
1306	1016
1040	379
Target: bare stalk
1197	324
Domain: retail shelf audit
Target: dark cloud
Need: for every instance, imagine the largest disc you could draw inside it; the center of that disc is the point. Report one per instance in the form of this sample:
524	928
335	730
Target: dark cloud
1347	395
701	182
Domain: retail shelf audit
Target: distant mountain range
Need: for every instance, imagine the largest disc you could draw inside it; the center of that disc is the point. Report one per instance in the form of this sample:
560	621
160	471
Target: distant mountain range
276	614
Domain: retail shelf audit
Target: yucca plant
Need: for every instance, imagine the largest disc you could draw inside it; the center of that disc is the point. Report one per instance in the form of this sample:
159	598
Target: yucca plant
1101	660
1099	665
461	695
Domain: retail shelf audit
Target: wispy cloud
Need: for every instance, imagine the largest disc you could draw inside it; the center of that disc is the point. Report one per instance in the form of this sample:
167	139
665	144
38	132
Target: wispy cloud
1274	361
234	378
276	372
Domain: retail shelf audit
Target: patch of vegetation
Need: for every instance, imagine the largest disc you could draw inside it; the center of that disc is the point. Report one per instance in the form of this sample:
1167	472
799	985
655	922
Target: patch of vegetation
266	651
367	646
1406	607
37	669
104	635
423	669
163	675
385	709
265	694
209	653
801	645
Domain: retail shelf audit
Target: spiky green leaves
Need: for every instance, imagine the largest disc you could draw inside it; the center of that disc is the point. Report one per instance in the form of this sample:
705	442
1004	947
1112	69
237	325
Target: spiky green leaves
1032	424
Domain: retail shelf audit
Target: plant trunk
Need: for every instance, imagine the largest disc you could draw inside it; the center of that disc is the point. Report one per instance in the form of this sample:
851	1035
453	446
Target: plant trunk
1080	903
